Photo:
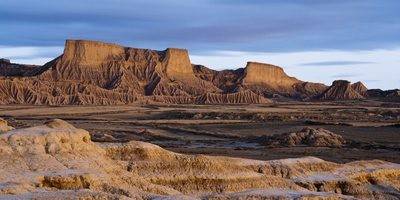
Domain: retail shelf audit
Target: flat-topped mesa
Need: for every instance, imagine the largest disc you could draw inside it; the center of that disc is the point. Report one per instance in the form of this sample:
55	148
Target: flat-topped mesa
266	74
177	64
87	52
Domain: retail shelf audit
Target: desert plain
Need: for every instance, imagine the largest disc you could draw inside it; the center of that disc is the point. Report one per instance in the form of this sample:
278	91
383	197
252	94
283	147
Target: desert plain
371	128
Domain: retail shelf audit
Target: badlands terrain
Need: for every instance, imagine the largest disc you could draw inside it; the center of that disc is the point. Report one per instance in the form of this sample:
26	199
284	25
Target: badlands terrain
102	121
199	152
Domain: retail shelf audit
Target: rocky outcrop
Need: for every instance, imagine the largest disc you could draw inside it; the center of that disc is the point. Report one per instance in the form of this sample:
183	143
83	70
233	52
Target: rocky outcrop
4	127
226	80
385	95
266	74
340	90
305	137
263	79
5	61
360	88
307	90
12	69
267	80
56	160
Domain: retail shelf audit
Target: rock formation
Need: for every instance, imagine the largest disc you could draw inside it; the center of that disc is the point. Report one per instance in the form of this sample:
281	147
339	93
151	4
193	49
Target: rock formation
226	80
306	137
91	72
12	69
308	90
98	73
385	95
263	79
340	90
4	127
360	88
271	78
57	160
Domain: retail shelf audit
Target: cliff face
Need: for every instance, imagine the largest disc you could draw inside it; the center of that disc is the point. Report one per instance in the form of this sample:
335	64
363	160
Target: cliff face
91	72
110	66
270	80
177	64
267	75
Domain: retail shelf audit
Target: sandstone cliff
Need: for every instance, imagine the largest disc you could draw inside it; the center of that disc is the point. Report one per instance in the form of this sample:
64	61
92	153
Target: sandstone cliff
268	75
91	72
267	80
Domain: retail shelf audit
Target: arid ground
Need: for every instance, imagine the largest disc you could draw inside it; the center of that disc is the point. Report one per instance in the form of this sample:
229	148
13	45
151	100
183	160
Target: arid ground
371	129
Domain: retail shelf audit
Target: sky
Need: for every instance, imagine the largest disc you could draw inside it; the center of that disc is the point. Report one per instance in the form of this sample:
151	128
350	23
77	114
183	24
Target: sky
313	40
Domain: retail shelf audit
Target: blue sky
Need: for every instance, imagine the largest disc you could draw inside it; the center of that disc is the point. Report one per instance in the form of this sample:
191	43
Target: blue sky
314	40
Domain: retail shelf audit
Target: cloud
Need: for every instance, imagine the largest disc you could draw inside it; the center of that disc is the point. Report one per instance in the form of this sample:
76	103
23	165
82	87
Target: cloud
336	63
204	25
28	52
363	34
372	81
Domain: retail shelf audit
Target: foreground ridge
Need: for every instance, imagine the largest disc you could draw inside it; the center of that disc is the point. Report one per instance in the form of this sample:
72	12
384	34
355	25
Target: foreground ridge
97	73
57	159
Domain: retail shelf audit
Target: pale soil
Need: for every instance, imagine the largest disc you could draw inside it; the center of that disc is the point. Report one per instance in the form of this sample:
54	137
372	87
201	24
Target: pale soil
55	160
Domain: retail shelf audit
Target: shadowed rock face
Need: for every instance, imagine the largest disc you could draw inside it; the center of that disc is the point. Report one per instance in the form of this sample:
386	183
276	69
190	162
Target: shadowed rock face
307	90
226	80
385	95
56	160
12	69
